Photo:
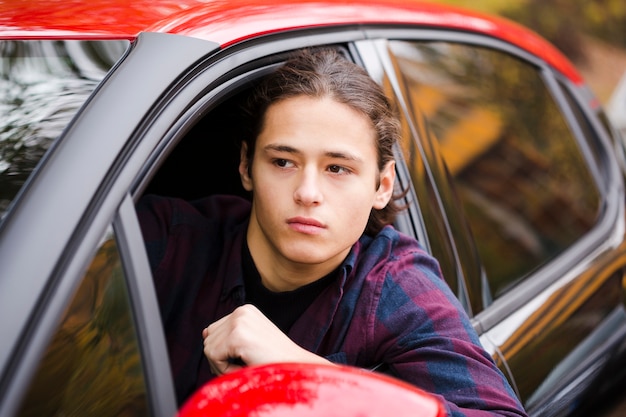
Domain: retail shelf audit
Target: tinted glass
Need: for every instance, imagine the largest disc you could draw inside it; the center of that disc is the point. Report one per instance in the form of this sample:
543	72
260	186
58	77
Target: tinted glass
92	366
42	86
437	231
520	175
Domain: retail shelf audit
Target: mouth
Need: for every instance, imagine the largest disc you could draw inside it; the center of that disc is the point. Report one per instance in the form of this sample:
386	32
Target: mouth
306	225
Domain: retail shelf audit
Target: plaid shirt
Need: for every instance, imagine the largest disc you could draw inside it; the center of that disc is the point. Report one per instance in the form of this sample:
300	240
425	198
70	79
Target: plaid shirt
389	305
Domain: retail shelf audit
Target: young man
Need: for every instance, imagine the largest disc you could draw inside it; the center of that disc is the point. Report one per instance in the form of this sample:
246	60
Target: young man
311	270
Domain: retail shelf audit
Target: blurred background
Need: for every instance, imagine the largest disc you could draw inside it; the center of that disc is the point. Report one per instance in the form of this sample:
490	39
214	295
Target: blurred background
591	33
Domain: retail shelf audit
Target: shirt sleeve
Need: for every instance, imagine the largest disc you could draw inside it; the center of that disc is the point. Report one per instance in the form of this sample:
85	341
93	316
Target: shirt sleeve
427	339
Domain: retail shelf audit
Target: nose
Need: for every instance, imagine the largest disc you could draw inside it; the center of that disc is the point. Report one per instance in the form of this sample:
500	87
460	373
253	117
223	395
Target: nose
308	191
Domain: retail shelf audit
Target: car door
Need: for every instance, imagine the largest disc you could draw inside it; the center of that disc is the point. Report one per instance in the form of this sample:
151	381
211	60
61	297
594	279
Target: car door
76	300
533	203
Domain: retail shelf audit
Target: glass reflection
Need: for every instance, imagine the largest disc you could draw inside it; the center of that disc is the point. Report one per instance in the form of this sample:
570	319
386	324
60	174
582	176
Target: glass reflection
519	174
92	366
42	86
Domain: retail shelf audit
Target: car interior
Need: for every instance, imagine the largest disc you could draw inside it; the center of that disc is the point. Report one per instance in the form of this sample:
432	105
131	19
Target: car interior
206	160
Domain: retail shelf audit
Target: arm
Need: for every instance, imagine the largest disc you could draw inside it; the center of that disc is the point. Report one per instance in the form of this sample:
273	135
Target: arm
433	344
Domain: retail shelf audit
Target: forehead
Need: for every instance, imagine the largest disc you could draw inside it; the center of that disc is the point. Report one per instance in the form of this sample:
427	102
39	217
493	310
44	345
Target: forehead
313	122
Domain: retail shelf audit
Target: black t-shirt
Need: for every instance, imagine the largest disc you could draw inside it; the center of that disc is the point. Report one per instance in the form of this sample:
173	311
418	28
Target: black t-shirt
282	308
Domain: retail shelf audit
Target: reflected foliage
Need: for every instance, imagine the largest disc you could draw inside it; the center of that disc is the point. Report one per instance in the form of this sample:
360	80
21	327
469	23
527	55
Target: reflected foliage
517	169
566	22
92	366
42	86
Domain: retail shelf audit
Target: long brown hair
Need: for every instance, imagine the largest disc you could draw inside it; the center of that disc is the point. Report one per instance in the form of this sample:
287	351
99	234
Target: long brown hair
327	73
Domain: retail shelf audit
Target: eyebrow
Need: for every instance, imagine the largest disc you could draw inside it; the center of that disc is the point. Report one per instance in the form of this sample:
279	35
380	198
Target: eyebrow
330	154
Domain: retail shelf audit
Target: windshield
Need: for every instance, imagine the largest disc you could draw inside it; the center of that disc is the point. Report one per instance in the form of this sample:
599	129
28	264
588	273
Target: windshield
42	86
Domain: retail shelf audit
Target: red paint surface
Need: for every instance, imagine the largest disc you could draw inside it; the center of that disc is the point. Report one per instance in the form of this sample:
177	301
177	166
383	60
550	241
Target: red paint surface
230	21
301	390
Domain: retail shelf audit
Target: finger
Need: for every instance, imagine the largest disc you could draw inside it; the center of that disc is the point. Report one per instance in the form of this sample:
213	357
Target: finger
220	367
218	323
214	369
231	367
219	349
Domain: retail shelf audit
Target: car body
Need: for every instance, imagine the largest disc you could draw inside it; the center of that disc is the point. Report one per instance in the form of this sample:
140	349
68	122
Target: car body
310	390
515	183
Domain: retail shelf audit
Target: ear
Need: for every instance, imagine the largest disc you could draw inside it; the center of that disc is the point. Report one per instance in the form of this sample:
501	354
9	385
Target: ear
385	188
244	167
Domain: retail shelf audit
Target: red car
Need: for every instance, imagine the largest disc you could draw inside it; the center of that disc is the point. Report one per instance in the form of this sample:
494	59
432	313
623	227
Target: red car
515	178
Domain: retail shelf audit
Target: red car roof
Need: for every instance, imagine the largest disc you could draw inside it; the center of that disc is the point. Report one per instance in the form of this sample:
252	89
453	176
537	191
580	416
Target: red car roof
229	21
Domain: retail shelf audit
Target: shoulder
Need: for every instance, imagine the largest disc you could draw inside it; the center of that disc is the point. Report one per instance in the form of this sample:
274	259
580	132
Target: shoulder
170	225
176	231
395	251
172	212
391	239
402	269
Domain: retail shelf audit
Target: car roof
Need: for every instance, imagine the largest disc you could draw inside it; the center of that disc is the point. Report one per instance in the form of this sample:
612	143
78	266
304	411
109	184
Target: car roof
227	22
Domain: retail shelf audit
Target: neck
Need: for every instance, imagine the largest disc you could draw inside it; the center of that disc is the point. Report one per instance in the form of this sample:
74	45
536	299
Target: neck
280	274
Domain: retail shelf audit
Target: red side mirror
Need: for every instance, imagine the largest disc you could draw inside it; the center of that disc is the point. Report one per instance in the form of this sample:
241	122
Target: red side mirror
305	390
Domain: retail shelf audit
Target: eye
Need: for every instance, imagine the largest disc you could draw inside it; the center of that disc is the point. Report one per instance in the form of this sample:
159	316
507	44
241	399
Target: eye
282	163
338	169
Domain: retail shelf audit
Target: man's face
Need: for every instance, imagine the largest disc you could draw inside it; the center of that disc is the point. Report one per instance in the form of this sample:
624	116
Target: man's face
314	180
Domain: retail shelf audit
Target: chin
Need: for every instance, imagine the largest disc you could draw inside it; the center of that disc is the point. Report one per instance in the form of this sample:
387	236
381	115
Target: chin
306	259
308	255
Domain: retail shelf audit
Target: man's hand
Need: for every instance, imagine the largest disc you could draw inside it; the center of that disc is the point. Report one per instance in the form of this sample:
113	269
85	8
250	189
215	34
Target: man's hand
247	337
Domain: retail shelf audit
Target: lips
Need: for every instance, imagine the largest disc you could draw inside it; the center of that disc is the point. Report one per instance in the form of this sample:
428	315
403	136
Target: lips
306	225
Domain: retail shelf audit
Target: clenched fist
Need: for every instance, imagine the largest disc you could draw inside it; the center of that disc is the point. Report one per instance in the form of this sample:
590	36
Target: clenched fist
247	337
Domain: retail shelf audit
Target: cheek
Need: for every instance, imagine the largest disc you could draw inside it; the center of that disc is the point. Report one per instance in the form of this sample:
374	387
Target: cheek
269	199
355	209
264	186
